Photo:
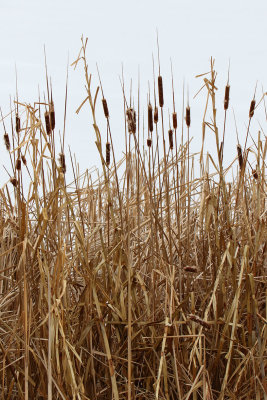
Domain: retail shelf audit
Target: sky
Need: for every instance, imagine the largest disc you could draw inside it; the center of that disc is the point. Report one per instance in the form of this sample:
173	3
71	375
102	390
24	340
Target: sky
122	34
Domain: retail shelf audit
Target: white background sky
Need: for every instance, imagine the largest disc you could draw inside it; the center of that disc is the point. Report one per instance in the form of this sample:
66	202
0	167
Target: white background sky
123	31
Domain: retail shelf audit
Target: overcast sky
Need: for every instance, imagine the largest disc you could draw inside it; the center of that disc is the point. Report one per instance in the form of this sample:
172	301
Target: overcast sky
122	31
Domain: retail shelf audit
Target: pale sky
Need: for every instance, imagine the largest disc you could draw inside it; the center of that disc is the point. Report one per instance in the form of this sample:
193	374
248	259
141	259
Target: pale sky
190	32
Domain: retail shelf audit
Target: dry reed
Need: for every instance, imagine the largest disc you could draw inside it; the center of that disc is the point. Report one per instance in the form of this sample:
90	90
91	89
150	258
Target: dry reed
146	282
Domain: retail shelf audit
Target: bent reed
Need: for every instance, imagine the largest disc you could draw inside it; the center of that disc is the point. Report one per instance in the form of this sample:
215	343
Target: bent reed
148	282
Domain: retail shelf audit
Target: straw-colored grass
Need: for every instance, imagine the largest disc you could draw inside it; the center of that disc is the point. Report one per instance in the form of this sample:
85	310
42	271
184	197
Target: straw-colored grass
145	283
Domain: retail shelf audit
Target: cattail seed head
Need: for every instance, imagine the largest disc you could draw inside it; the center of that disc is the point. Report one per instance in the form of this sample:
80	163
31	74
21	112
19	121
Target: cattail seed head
52	116
174	120
105	107
149	142
18	164
255	174
150	117
171	138
24	160
17	123
62	162
252	108
240	156
131	119
7	141
226	97
107	153
187	116
190	268
160	88
198	320
47	123
14	182
156	115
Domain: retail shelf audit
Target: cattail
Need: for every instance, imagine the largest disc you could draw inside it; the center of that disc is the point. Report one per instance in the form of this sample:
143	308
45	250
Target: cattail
149	142
226	97
200	321
105	108
187	116
190	268
252	108
47	123
156	115
52	116
221	150
131	119
171	138
62	162
255	173
160	87
107	153
240	156
17	123
18	164
7	141
174	120
150	117
14	182
24	160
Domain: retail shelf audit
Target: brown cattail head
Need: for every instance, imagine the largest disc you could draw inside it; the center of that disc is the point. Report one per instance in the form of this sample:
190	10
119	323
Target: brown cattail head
47	123
107	153
131	119
252	108
156	115
190	268
62	162
226	97
52	116
105	107
149	142
255	173
14	182
24	160
7	141
198	320
17	123
187	116
171	138
174	120
240	155
150	117
18	164
160	88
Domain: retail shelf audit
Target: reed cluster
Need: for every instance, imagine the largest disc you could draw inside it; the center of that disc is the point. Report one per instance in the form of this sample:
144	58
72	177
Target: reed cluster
148	282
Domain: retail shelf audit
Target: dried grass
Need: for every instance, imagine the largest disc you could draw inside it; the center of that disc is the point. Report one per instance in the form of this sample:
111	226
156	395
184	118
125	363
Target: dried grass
147	283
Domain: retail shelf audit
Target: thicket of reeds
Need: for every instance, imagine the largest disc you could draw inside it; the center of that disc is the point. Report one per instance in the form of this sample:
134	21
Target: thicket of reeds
147	282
